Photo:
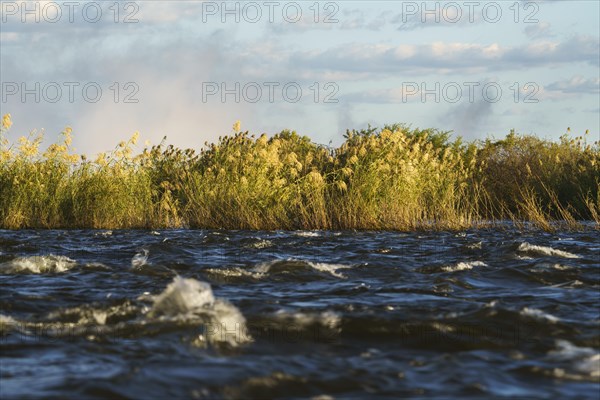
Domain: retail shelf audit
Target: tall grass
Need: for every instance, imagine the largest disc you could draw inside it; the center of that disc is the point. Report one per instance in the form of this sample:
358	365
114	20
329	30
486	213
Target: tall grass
532	179
391	178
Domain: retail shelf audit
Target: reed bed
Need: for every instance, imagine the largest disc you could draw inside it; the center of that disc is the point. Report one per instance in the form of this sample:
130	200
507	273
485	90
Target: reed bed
393	178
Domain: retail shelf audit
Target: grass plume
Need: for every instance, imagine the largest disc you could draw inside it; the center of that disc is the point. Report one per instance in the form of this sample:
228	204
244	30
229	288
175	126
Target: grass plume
395	178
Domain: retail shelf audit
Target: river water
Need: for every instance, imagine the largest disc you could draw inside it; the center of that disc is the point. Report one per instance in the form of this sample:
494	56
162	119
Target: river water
240	314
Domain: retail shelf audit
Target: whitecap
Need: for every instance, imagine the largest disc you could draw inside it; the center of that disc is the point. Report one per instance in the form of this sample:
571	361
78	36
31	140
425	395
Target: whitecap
182	296
140	258
6	323
100	316
264	268
97	266
330	268
544	251
548	266
261	244
327	319
234	272
589	365
307	234
192	300
89	314
583	360
539	315
463	266
561	267
38	264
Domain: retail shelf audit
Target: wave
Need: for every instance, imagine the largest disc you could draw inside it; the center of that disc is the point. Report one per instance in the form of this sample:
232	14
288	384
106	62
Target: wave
327	319
289	326
193	301
140	259
330	268
38	264
539	315
95	314
553	266
6	324
182	296
533	249
580	362
463	266
260	244
93	322
307	234
184	304
292	265
292	268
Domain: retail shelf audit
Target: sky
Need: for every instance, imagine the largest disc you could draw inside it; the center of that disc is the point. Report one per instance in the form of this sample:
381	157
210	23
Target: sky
189	69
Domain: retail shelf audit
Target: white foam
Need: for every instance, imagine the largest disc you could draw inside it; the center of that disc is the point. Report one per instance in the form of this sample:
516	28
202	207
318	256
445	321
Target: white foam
234	272
545	250
38	264
307	234
329	268
264	268
539	314
100	316
228	324
182	296
262	244
89	314
589	365
140	259
463	266
6	322
327	319
97	265
259	270
584	360
192	300
559	267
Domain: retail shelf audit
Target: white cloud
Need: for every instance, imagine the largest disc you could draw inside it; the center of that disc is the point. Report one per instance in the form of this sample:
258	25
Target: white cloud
170	52
577	84
539	30
382	59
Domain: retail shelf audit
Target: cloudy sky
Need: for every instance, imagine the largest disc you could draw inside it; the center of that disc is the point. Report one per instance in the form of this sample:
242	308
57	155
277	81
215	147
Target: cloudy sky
190	69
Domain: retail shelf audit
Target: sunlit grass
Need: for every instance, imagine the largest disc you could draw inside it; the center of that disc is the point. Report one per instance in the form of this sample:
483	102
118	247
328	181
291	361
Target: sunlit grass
392	178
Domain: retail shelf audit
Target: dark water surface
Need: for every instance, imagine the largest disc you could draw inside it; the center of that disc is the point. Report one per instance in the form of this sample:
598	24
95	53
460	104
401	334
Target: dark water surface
238	314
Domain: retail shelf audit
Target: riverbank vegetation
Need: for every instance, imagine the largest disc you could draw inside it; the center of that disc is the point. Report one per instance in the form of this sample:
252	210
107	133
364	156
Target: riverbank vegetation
396	177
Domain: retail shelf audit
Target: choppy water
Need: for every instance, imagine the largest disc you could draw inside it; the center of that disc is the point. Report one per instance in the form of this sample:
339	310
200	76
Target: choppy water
237	314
